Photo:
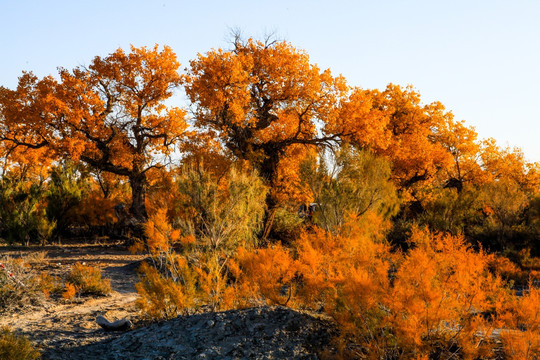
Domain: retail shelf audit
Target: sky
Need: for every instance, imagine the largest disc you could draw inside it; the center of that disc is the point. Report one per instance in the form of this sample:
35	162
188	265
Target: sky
481	59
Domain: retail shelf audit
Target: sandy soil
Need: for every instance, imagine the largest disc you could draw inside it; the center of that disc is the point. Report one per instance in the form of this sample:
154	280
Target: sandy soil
57	323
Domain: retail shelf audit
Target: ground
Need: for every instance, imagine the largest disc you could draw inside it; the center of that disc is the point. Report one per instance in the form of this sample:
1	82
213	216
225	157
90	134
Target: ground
58	324
68	330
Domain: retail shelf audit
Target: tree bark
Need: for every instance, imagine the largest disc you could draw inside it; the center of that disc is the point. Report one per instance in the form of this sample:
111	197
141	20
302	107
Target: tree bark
137	210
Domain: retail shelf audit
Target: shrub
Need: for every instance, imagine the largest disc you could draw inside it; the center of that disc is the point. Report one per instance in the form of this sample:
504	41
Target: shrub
162	297
507	270
347	276
66	188
440	290
264	276
350	185
221	213
449	210
520	319
87	280
22	215
184	286
24	288
287	225
15	347
177	283
70	291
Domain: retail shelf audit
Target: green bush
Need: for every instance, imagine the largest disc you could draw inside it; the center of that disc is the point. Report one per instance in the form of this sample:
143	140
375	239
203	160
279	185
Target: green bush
22	218
287	225
348	184
221	213
66	189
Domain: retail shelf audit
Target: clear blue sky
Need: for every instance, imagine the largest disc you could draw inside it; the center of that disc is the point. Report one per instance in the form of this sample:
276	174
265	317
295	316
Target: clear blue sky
481	59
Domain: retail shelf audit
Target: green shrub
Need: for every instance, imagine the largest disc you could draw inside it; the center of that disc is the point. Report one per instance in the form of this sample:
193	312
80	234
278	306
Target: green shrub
221	213
287	225
348	184
66	189
22	218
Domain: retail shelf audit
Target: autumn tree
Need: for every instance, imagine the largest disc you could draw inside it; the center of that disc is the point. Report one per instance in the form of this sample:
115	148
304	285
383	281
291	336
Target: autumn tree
409	135
462	144
510	164
110	115
261	98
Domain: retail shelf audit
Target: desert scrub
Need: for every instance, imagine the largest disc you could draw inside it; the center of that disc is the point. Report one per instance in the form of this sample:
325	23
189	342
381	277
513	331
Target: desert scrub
15	347
88	281
23	288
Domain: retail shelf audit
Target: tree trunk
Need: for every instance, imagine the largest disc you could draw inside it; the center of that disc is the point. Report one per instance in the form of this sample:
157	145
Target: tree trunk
269	173
138	195
271	207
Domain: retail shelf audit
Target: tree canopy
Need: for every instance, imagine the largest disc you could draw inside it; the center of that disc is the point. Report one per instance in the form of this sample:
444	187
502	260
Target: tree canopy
110	115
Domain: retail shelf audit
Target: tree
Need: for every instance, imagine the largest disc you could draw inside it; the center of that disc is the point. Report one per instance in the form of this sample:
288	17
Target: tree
509	163
409	135
111	115
461	142
261	98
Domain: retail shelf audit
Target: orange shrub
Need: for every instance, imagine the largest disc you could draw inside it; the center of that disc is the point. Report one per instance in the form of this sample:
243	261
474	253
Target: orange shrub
162	297
520	319
70	291
264	275
506	269
440	291
347	276
88	280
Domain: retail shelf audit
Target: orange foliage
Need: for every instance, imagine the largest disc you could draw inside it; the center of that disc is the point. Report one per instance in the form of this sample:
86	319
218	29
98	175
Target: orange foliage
70	291
410	143
160	235
162	297
265	101
509	164
440	290
461	142
347	276
520	319
265	273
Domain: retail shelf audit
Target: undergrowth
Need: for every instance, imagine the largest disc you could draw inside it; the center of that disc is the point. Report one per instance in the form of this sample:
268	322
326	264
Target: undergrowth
16	347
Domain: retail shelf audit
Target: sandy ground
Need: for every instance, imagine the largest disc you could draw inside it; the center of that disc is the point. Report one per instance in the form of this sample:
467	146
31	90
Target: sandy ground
57	323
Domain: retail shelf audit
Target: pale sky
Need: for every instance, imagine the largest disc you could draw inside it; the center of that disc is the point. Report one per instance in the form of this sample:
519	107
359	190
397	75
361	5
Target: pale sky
481	59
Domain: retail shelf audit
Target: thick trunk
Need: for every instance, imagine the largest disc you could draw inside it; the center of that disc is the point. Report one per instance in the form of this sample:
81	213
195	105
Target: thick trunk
138	195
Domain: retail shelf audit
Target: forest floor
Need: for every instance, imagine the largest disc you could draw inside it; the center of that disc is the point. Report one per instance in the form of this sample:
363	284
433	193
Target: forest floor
56	323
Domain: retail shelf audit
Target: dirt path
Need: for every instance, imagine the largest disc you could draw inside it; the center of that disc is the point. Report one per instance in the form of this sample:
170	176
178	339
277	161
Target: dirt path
59	324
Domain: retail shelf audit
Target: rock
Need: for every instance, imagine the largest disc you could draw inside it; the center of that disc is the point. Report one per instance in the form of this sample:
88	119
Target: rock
118	325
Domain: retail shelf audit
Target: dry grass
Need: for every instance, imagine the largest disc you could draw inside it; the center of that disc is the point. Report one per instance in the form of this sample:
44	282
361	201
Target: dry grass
21	289
15	347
